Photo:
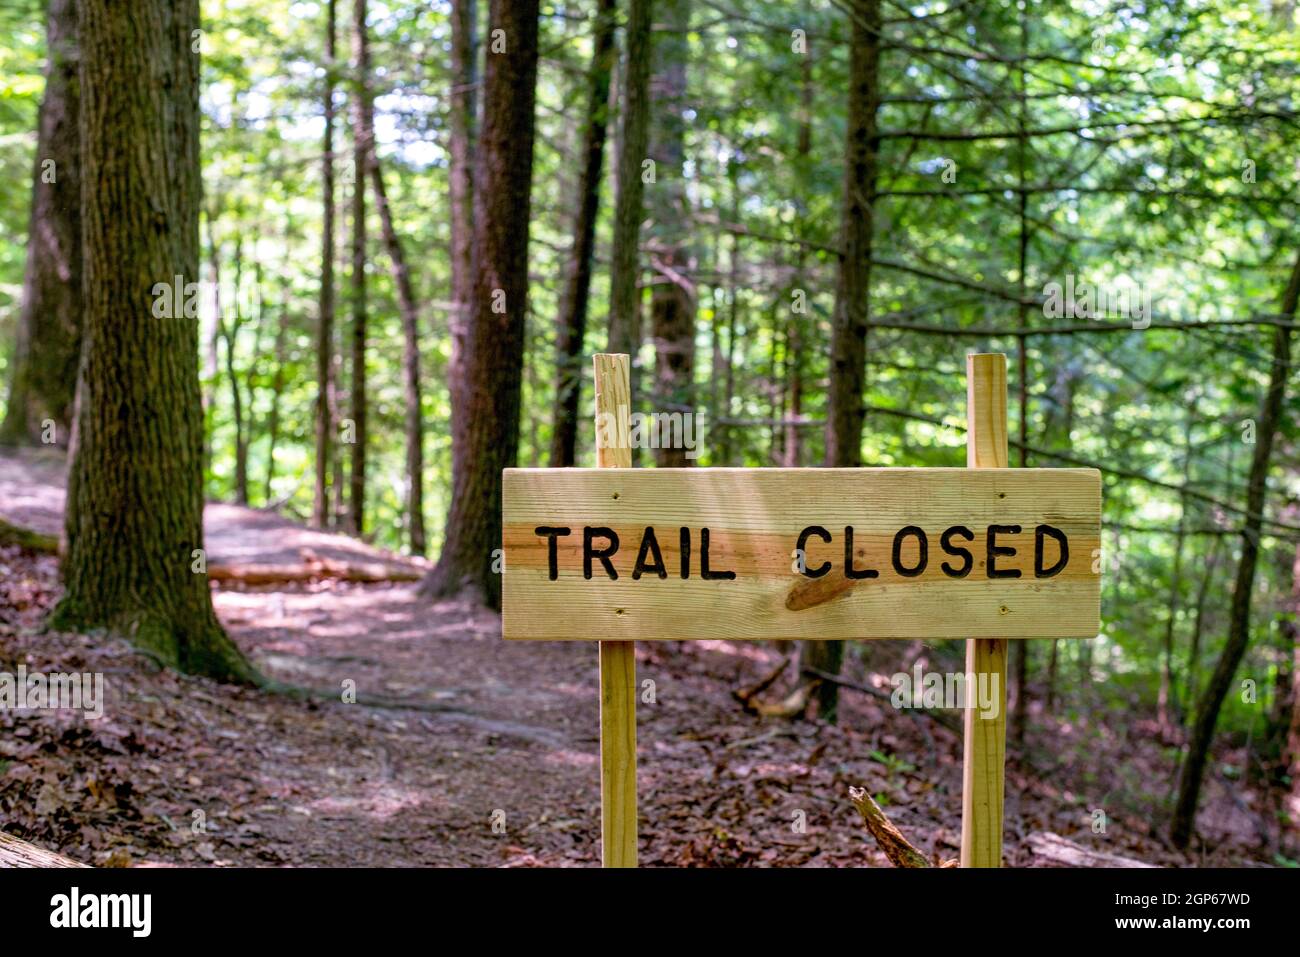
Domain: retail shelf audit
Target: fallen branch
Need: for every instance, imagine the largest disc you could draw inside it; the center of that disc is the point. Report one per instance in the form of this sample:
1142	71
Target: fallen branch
900	851
18	853
746	695
793	705
1055	851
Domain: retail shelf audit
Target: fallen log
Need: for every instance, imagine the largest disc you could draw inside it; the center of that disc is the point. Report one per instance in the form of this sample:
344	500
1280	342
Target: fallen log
18	853
313	568
27	539
1052	850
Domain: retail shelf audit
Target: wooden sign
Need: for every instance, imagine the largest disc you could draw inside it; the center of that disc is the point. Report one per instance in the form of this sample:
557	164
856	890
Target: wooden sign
984	553
748	554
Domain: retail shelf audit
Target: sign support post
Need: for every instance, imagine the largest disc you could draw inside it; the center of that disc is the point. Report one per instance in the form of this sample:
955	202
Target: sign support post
618	823
984	744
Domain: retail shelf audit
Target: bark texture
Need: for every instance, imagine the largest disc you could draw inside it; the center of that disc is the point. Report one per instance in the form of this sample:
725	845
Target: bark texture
134	516
853	287
624	331
325	316
571	329
464	100
672	301
494	354
361	142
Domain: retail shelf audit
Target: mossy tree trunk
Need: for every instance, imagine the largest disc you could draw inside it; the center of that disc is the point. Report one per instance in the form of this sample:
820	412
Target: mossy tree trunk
134	517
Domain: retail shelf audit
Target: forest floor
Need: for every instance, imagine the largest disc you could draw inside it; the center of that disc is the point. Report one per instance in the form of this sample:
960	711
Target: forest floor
482	752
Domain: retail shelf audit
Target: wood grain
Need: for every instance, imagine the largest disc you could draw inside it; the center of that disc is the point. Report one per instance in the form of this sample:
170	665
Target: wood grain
755	516
618	804
984	742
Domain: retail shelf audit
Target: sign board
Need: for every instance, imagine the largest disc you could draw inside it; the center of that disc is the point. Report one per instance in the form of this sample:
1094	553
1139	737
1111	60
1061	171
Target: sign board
808	553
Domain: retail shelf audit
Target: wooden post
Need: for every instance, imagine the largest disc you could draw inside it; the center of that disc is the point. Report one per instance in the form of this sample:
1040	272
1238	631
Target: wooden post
985	738
617	658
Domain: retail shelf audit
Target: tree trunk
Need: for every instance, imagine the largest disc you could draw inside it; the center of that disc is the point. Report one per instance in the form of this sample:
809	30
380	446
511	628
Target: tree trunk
624	331
463	99
494	352
1291	752
277	379
48	349
1207	711
572	325
1165	697
852	289
672	299
1019	651
361	144
799	319
1198	627
134	516
227	333
325	319
410	351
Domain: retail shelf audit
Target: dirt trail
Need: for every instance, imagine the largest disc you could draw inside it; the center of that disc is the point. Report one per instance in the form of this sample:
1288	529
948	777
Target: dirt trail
494	761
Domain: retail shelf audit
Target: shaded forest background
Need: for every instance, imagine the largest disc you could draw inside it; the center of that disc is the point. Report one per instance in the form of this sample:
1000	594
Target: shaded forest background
799	218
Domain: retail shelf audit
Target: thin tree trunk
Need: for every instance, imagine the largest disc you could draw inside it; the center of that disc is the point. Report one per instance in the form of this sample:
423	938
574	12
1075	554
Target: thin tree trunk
253	372
325	318
494	353
410	358
1207	716
48	349
572	325
672	298
1194	645
277	379
799	320
226	333
463	100
1019	651
727	440
624	325
1166	694
361	144
134	515
853	289
1291	752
